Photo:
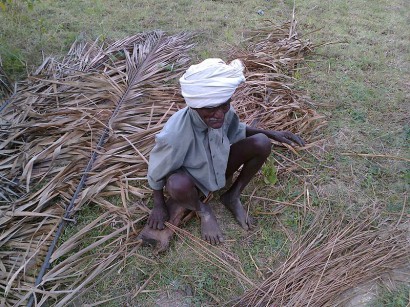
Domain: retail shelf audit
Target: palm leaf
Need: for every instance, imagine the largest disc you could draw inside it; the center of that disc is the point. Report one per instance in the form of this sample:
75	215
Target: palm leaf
53	132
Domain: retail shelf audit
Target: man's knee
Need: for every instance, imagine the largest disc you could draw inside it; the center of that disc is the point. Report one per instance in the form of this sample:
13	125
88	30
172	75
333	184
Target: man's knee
262	144
179	186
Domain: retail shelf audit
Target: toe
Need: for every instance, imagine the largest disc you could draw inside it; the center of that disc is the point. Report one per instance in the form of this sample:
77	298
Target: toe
211	240
245	225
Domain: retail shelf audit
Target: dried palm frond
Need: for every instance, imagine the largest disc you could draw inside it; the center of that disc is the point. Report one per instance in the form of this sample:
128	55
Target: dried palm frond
268	99
56	127
333	255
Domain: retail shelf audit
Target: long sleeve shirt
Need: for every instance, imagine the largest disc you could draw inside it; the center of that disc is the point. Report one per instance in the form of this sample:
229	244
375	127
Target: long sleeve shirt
187	143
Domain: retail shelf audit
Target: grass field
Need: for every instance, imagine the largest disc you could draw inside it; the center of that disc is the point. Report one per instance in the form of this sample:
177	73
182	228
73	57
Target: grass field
361	82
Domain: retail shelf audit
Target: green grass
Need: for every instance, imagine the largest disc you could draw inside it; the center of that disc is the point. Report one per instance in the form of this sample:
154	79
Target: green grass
362	80
50	27
184	277
12	60
399	297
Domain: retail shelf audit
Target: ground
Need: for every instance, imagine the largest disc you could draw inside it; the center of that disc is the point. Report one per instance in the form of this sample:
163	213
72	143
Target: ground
359	78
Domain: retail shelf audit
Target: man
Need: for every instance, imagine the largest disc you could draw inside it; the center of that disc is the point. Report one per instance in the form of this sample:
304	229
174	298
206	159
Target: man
204	144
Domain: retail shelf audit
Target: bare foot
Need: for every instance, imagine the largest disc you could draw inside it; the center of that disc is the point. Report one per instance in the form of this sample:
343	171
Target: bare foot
235	206
210	230
160	238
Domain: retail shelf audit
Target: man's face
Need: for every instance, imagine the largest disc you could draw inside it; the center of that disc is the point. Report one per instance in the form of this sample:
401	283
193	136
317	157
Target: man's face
214	117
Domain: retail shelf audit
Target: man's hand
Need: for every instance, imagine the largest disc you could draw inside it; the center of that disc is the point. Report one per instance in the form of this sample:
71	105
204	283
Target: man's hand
287	137
159	214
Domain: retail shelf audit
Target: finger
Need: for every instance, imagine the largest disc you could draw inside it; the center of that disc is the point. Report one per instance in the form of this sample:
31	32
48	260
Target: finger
299	140
160	225
293	138
284	140
221	239
150	223
210	240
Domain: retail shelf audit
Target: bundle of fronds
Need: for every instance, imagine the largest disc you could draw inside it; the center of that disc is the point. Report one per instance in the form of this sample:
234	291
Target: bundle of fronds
79	131
334	255
99	108
267	99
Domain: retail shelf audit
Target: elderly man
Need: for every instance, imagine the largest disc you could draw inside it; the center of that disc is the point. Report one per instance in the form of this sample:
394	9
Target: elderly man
203	145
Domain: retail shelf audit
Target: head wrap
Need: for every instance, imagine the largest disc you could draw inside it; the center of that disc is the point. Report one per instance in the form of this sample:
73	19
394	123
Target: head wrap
211	82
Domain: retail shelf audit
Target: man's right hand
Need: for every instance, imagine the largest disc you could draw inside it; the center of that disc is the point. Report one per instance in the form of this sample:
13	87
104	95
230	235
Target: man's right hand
159	214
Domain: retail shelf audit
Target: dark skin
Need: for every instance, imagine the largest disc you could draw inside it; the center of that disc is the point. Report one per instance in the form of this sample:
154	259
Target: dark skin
250	152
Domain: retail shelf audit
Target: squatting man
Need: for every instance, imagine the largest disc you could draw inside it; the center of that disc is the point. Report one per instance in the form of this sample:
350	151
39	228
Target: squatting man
203	145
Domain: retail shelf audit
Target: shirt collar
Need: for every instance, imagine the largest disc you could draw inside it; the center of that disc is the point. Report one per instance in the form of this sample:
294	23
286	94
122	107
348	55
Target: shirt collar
196	119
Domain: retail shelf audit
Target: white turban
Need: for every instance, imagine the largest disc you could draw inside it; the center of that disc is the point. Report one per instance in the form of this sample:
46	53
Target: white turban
211	82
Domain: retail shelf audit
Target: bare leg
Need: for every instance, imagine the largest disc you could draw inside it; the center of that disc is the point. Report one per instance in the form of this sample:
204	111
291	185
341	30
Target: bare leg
252	152
184	193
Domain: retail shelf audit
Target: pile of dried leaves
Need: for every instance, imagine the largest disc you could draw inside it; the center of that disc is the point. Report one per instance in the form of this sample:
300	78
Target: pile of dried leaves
267	99
332	256
95	113
79	132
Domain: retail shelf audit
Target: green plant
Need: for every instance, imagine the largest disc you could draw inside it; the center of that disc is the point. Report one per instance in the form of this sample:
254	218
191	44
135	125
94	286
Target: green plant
269	172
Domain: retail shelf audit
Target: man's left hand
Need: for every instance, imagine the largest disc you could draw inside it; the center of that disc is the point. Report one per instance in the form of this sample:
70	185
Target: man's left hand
287	137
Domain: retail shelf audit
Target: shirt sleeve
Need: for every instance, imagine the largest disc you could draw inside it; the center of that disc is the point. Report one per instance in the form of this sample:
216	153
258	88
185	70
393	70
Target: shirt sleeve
164	159
236	129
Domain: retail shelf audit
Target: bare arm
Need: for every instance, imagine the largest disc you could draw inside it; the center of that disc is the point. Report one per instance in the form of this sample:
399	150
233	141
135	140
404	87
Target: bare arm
159	214
279	136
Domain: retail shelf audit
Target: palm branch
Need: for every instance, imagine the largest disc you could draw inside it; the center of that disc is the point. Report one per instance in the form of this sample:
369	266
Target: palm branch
54	127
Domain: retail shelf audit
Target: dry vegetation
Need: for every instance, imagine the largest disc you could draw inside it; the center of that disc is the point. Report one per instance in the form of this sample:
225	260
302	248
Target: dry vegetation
332	256
75	140
104	106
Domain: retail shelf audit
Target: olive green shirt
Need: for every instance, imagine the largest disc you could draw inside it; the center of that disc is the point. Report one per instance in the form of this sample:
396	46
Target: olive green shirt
186	143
